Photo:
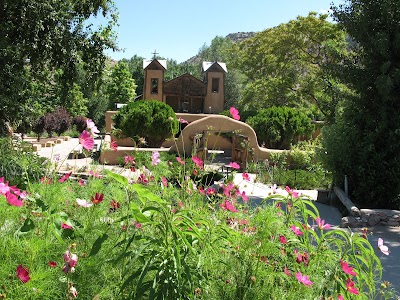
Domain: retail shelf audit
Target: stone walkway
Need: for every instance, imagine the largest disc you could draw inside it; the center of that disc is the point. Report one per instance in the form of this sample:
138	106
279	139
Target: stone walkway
257	192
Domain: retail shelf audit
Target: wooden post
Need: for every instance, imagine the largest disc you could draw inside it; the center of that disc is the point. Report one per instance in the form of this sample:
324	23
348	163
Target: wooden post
347	202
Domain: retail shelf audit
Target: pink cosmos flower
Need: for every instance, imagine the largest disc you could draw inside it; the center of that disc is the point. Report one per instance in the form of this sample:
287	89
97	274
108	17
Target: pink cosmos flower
129	160
234	165
296	230
302	258
66	226
86	140
138	225
71	260
4	188
347	269
234	113
65	177
183	121
92	127
182	162
13	199
143	179
23	274
198	162
211	191
282	239
23	195
81	182
230	190
83	203
303	279
227	205
201	190
292	192
321	224
155	158
244	197
350	287
287	271
384	249
246	176
114	145
164	181
340	297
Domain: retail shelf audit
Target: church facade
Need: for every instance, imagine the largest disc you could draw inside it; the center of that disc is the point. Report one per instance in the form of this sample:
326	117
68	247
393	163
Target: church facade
186	93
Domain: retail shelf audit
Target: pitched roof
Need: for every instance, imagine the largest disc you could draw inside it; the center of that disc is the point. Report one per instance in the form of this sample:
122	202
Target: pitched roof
207	65
161	62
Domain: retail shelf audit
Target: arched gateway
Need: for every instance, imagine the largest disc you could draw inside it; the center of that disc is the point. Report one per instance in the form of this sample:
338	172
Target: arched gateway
218	125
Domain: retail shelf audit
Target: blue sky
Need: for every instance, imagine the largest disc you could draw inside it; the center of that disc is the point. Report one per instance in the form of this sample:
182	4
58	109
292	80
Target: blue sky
177	29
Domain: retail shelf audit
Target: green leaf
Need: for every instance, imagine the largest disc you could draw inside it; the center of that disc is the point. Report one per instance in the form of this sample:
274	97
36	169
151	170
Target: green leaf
97	244
28	226
119	178
137	214
144	192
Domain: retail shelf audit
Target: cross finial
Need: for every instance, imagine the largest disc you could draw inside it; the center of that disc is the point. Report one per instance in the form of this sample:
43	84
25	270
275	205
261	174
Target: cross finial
154	54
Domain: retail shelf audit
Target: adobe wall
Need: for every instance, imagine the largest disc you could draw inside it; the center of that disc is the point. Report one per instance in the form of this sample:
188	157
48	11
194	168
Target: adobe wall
218	123
147	92
214	102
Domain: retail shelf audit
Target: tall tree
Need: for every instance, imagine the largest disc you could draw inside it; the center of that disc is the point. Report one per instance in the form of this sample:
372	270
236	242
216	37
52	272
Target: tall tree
291	65
39	36
135	67
365	144
121	88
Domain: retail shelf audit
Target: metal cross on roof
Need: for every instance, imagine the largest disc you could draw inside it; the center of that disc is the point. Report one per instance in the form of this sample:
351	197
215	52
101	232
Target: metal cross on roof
154	54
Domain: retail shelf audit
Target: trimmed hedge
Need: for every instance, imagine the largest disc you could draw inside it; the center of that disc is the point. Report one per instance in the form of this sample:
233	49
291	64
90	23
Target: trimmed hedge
278	127
150	119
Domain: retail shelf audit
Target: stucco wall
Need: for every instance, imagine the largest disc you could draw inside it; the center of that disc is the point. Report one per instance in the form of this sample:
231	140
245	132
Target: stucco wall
214	100
147	92
219	123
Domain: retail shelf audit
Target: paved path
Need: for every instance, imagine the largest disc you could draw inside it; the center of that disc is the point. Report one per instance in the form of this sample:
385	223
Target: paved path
257	192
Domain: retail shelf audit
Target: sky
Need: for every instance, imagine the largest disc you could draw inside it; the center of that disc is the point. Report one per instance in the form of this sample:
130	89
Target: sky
177	29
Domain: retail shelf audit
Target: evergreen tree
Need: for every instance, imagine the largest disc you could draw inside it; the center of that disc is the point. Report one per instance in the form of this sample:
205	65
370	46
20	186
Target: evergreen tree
365	144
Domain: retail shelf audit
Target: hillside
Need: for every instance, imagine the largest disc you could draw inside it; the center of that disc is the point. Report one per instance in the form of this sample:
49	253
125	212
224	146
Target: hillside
235	37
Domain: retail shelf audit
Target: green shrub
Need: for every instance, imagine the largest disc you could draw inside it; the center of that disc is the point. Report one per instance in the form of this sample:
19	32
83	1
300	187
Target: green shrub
151	119
278	127
369	159
19	166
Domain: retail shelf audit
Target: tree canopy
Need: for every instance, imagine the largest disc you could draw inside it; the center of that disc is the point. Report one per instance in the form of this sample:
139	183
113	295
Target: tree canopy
121	88
47	41
291	65
364	144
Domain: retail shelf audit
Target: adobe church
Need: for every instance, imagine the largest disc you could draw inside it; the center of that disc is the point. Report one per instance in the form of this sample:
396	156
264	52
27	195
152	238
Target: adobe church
186	93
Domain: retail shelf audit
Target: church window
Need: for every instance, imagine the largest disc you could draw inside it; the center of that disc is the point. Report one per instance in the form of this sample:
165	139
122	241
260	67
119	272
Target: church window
215	85
154	85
